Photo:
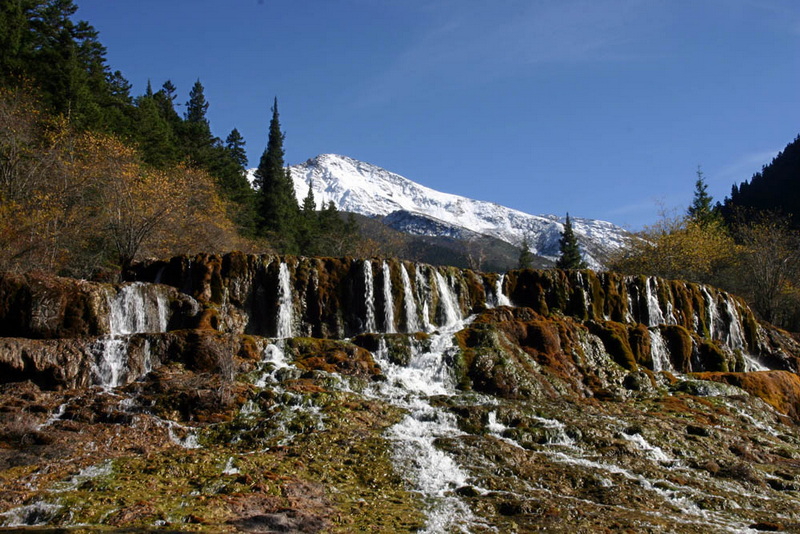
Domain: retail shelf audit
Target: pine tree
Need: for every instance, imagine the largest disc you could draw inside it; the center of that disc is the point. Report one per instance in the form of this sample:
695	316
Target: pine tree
154	134
235	144
525	256
570	257
278	205
309	232
701	210
195	131
197	106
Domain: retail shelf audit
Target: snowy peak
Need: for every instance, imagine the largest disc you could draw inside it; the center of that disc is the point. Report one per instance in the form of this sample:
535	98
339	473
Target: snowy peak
370	190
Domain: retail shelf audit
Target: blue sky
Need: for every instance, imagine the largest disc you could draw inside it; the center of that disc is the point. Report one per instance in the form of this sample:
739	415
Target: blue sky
603	108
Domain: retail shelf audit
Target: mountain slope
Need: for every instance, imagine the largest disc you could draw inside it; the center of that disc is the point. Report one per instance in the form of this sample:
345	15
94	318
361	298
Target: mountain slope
405	205
775	188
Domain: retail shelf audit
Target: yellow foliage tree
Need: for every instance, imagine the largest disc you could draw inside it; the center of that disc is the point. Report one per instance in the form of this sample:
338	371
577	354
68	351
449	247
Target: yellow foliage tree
75	202
679	248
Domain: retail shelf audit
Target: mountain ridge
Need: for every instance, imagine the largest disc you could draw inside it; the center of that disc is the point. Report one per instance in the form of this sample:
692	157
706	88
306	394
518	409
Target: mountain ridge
373	191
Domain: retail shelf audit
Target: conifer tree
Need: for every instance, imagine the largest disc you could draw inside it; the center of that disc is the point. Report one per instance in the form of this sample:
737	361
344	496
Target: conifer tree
154	134
195	131
310	225
701	210
525	256
235	145
197	106
278	208
570	253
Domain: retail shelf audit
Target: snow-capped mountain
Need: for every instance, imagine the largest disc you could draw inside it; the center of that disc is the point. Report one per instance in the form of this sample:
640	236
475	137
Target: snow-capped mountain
405	205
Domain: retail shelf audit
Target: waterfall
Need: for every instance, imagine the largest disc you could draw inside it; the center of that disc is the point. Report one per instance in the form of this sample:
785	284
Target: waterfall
138	308
430	470
111	359
369	298
713	314
736	341
412	322
424	296
285	303
654	314
659	352
500	297
388	304
448	302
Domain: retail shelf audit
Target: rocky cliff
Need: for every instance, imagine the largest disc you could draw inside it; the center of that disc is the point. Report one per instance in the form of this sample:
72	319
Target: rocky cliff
262	393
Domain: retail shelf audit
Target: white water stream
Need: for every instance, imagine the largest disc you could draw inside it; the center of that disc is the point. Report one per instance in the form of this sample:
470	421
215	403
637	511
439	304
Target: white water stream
369	298
500	298
136	308
431	471
412	322
388	303
285	326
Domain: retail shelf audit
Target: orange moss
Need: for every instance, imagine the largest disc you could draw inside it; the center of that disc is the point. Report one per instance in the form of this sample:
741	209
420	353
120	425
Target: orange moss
779	389
332	356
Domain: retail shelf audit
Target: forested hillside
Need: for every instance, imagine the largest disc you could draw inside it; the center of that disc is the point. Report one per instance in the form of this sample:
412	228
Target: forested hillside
776	188
92	178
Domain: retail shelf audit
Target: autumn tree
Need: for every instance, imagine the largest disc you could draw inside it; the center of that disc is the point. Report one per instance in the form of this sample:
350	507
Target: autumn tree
769	266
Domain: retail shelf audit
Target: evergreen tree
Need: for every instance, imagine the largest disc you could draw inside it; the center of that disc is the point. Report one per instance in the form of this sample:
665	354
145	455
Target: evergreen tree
235	145
165	101
13	25
197	106
278	208
195	131
525	256
154	134
570	253
309	233
701	211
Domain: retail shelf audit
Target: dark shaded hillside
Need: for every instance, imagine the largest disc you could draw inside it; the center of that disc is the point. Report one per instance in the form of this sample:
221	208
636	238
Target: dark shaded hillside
776	187
480	252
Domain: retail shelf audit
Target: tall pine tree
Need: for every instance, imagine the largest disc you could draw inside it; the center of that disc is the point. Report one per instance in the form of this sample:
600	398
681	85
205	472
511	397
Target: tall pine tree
195	131
278	208
570	257
701	210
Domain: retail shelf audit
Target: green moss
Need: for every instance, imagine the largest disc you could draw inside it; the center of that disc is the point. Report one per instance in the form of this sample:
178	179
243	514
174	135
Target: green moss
712	357
639	339
679	342
615	340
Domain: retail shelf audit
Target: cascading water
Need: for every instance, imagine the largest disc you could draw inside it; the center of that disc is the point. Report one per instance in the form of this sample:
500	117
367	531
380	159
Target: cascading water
424	296
136	308
388	302
659	352
735	339
448	302
412	322
370	324
654	314
111	361
500	298
713	313
285	326
431	471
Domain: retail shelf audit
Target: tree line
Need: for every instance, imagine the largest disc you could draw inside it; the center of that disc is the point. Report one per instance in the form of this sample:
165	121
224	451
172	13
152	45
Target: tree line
749	249
92	178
